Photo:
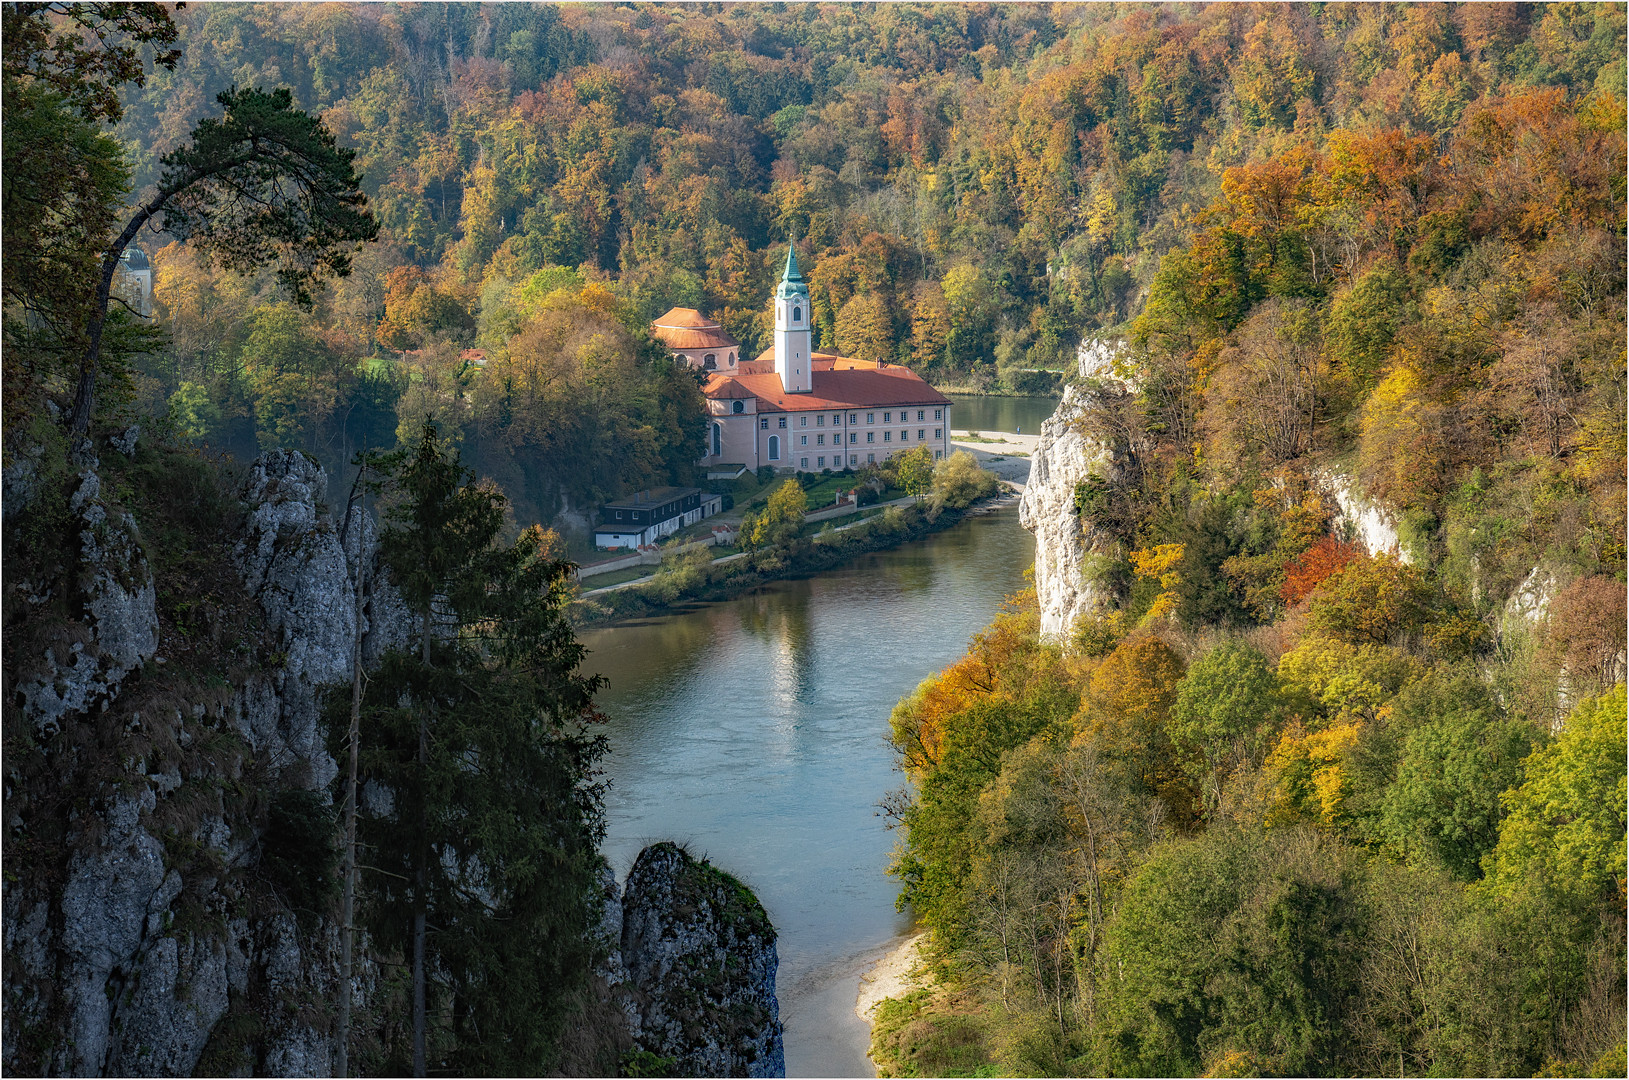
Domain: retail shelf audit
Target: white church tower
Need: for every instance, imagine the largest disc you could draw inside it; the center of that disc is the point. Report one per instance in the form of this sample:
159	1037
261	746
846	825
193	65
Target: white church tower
794	354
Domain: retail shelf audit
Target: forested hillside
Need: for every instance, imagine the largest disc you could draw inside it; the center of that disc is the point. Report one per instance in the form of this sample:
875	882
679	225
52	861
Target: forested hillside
974	187
1286	802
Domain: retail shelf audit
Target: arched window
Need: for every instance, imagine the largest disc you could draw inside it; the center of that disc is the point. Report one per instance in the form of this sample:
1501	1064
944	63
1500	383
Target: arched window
740	406
718	439
709	362
797	314
774	448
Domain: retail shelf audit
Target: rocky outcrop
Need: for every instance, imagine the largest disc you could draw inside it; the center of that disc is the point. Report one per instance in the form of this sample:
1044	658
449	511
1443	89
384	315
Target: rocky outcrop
294	563
1358	518
108	971
119	611
699	955
1065	457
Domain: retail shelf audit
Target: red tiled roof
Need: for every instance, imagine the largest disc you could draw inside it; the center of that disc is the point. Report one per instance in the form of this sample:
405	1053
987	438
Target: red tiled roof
693	339
726	387
839	383
687	328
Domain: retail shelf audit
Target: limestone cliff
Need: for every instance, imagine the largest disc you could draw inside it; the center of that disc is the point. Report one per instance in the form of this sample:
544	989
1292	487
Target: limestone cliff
158	912
1358	518
1065	456
147	938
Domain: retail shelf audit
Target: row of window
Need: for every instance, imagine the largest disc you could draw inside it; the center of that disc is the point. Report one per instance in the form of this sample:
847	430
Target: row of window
853	459
871	436
870	417
820	440
853	418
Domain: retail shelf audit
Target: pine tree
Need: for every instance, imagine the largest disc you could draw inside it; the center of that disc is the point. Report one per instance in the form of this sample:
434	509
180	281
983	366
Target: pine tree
484	864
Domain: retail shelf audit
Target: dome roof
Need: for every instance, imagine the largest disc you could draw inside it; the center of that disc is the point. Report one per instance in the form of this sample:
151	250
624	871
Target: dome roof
686	318
687	328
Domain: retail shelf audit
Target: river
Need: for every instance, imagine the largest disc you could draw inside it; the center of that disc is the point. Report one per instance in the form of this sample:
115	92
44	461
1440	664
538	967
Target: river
976	412
755	731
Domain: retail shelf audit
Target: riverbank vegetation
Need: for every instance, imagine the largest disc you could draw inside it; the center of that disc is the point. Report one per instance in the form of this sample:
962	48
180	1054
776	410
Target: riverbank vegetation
1334	846
778	542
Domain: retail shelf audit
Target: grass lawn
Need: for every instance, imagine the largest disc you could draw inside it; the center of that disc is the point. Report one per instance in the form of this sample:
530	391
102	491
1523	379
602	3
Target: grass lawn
617	577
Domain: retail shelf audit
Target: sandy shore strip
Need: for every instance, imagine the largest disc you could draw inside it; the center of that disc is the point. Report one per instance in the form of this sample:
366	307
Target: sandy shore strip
895	975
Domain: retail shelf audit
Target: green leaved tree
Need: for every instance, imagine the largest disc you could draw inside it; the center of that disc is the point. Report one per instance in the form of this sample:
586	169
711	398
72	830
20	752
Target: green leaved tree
781	519
916	471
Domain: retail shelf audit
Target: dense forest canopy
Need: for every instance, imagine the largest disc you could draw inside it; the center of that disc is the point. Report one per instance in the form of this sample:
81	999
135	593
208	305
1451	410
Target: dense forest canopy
976	187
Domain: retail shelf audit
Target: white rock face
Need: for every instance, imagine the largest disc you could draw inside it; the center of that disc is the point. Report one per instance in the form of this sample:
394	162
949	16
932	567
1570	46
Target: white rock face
120	611
294	564
162	1025
111	890
1367	523
1530	603
1063	458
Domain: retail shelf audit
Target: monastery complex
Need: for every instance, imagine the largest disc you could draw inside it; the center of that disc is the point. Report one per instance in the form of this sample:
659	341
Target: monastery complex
799	410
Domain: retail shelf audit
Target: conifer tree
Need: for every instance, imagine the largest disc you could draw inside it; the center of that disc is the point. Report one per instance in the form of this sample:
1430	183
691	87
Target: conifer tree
263	183
484	863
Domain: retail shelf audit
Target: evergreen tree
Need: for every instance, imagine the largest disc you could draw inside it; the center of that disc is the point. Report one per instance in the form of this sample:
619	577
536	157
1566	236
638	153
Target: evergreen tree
483	865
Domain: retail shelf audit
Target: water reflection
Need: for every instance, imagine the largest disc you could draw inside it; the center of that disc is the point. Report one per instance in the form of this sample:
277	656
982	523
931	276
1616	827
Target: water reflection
755	730
974	412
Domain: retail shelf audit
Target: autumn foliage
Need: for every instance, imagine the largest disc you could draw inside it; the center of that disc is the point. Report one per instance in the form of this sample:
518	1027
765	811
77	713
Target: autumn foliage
1321	561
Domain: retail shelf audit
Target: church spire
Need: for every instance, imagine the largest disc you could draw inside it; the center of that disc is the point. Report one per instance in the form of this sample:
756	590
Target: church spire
794	352
792	283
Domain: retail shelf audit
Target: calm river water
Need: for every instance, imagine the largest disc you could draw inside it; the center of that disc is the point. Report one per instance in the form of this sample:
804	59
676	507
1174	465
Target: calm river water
974	412
756	731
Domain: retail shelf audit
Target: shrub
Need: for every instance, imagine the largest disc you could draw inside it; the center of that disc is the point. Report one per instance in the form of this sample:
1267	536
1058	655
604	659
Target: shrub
958	481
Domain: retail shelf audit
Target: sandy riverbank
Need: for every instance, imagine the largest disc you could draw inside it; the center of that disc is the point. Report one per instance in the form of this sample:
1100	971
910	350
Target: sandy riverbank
996	452
895	975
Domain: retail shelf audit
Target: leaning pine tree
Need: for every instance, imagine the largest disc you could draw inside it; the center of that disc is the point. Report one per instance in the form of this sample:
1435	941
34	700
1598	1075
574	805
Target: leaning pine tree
481	866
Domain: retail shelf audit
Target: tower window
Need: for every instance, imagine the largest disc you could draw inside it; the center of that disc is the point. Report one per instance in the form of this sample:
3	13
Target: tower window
797	314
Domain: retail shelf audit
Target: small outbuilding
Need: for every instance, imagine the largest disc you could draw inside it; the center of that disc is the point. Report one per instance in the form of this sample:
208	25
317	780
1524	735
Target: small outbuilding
647	516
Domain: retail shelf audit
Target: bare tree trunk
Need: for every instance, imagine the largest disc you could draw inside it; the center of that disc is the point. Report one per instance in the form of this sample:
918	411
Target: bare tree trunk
348	912
422	875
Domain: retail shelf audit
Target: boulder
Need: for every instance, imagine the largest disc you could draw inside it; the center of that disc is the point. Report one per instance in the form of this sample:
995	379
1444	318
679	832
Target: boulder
699	950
